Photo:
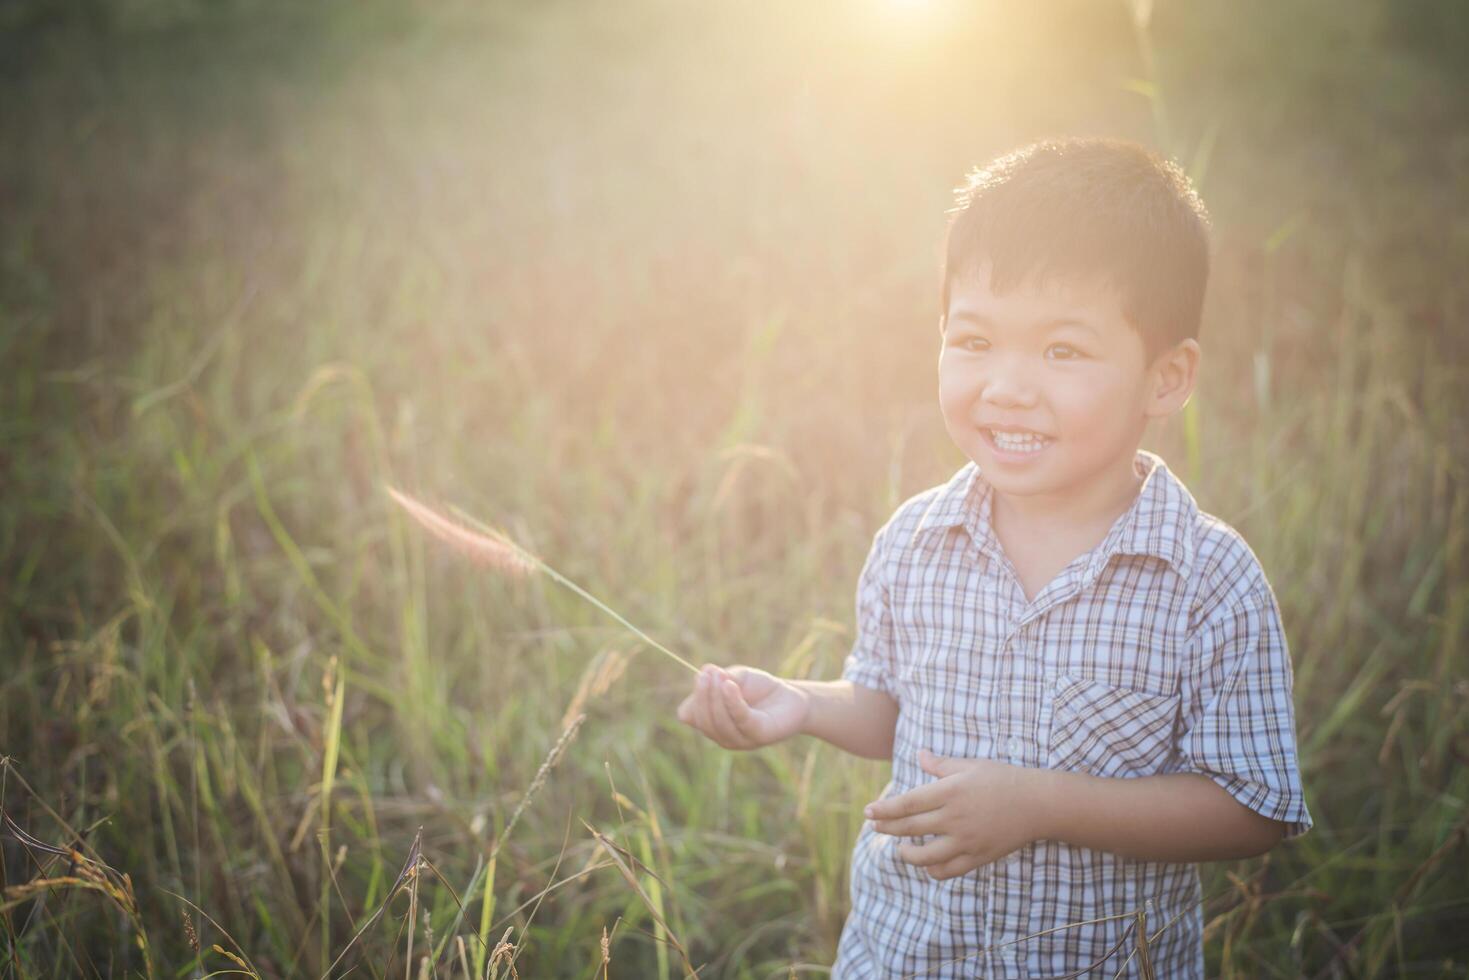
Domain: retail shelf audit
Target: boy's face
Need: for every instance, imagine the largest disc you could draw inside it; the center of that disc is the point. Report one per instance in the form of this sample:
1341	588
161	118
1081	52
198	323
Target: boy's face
1048	387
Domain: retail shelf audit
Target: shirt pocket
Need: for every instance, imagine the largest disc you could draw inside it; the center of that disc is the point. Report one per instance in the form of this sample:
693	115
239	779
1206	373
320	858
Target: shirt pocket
1110	731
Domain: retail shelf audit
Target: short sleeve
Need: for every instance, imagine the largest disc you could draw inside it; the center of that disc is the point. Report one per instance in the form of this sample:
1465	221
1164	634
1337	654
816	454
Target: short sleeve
870	662
1239	720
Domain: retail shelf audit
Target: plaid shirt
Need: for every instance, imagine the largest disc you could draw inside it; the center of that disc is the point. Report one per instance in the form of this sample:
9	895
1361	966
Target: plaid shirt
1159	651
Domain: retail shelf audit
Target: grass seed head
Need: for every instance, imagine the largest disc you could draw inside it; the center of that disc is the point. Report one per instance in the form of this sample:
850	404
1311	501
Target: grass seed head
489	551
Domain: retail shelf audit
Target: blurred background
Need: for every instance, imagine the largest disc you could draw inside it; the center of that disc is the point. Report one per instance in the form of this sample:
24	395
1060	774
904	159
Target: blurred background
652	285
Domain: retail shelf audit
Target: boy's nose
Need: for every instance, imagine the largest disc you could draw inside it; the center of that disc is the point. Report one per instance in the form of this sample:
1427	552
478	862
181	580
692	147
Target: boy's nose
1008	389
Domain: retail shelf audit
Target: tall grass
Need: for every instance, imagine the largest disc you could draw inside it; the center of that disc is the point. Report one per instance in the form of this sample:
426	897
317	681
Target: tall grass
653	290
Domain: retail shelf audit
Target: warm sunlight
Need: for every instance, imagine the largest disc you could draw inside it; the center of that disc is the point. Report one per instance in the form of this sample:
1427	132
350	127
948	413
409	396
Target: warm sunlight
484	493
910	18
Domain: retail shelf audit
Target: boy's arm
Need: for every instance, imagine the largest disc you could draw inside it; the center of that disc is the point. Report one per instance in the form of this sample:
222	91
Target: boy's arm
854	718
1180	817
979	810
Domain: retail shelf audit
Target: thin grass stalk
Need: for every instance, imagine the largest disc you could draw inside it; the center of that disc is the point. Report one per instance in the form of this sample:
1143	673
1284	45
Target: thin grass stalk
410	871
241	959
302	566
336	696
475	881
117	886
655	893
491	546
486	916
412	919
618	858
1144	954
487	866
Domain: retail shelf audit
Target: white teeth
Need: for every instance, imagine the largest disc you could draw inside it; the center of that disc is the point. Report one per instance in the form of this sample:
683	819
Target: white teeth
1017	442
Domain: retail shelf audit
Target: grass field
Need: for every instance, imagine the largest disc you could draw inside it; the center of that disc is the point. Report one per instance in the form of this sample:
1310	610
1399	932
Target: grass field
652	286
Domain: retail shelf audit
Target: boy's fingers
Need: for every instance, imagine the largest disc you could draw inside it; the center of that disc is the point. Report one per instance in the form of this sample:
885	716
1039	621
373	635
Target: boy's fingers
923	823
750	682
739	711
688	712
915	801
728	734
699	709
688	708
953	868
936	851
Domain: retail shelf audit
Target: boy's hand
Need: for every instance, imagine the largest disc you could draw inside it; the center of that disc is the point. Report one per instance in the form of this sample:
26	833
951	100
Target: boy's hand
977	811
744	708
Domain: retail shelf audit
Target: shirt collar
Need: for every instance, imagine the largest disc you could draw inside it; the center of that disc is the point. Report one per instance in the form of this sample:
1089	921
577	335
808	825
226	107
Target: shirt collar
1157	524
1160	521
962	502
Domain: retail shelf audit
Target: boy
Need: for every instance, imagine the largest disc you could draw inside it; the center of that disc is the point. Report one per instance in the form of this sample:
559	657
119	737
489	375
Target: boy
1080	678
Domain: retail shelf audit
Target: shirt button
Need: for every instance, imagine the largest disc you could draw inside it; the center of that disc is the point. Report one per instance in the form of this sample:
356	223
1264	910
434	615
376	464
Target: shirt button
1013	747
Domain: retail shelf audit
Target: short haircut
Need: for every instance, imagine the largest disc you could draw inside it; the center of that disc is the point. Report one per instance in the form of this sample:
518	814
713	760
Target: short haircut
1098	210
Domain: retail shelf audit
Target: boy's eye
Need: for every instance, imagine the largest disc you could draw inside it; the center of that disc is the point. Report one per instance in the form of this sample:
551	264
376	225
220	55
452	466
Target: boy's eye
1062	352
973	343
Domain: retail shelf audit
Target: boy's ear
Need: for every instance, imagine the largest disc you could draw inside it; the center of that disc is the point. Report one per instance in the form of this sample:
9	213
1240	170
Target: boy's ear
1172	377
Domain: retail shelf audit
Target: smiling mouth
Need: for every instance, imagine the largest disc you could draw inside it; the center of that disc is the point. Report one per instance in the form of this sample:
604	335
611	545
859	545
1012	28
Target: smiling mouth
1017	442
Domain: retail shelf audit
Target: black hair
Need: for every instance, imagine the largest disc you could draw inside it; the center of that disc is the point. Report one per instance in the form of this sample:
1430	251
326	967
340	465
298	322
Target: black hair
1090	210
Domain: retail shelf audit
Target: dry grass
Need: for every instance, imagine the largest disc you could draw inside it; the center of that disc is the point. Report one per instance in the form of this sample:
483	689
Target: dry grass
653	285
